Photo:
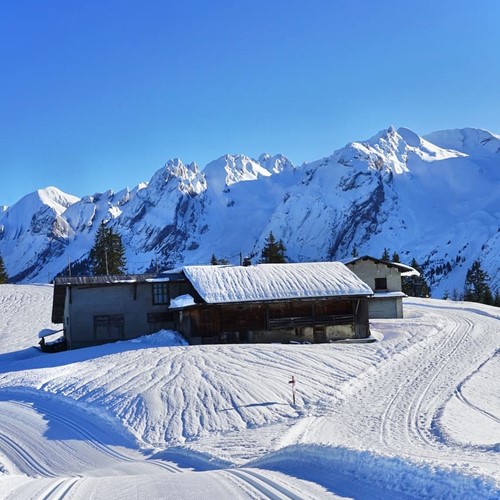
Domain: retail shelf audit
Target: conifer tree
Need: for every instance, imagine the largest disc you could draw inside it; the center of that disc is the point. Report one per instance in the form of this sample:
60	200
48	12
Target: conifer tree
496	299
476	287
416	286
385	254
273	251
395	257
108	254
354	252
4	278
214	261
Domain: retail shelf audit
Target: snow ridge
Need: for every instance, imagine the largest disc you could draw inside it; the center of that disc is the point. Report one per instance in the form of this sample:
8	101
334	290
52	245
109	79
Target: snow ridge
424	197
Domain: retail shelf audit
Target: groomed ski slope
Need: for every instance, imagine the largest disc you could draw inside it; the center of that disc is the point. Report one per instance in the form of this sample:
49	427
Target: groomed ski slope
414	415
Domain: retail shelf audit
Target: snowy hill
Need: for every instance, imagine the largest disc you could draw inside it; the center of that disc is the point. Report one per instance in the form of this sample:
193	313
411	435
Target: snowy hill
413	415
432	198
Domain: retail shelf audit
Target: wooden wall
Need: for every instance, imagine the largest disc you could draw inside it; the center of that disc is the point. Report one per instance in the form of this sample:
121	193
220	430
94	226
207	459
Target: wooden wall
300	320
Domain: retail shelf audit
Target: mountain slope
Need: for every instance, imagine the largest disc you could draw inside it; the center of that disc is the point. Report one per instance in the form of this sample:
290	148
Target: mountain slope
413	415
398	191
431	198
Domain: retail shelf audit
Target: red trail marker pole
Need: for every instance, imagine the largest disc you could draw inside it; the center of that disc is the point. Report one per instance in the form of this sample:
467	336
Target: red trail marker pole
292	383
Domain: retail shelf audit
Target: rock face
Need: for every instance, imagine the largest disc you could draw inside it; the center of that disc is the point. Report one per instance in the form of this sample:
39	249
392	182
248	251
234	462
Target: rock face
432	198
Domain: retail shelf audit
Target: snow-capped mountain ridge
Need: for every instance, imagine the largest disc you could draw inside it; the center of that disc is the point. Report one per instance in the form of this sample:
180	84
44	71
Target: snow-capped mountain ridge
425	197
467	140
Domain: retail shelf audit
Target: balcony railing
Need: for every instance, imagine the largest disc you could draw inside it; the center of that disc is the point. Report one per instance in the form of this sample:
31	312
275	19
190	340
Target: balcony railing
299	321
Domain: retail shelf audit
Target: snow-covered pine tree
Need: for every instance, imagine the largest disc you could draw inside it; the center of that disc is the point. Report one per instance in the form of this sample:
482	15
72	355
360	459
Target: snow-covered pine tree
107	256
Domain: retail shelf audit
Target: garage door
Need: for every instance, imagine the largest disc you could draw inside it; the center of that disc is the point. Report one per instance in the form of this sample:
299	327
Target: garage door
382	308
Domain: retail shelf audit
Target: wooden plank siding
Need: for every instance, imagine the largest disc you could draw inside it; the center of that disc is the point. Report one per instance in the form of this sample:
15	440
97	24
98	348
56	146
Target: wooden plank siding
273	321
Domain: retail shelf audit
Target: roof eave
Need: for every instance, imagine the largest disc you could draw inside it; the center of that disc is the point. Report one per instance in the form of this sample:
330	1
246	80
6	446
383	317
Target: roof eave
285	299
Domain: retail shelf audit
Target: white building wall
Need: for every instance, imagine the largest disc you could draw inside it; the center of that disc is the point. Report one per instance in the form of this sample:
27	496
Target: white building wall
368	270
378	307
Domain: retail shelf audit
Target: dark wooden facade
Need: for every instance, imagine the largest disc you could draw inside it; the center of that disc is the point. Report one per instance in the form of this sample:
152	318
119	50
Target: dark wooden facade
309	320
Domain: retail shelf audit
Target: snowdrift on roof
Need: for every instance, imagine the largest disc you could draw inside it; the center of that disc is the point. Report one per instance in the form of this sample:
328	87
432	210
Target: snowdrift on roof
222	284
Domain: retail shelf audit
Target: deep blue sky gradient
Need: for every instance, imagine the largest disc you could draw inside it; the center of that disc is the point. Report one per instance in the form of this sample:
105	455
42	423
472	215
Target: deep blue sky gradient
100	94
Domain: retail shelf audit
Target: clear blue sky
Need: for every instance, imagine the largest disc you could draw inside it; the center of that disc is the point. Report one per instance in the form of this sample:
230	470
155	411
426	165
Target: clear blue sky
98	95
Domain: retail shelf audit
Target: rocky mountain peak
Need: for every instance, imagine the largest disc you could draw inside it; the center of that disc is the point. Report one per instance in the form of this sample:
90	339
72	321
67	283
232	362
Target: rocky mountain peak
444	212
175	175
276	164
231	169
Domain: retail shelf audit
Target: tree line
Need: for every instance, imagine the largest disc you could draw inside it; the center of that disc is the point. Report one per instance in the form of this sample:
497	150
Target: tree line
107	257
273	252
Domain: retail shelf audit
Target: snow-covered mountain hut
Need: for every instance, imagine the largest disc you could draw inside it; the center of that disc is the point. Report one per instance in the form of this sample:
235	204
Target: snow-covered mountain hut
384	277
313	302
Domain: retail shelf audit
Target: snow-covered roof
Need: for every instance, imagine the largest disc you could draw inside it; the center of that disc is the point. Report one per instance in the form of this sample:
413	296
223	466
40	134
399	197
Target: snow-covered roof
264	282
109	279
48	331
386	295
403	268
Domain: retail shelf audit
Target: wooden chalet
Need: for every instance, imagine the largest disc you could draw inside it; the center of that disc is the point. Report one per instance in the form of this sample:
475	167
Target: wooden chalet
310	302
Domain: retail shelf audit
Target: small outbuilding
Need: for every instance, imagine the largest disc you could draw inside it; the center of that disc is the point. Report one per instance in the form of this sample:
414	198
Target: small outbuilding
309	302
384	277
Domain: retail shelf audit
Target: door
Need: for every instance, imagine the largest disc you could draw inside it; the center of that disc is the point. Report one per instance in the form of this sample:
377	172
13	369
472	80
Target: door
319	334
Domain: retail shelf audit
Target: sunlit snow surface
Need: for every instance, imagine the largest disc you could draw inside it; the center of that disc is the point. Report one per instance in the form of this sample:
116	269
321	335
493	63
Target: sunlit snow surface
414	415
223	284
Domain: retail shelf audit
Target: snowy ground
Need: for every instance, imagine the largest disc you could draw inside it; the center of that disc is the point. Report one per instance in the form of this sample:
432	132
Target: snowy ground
414	415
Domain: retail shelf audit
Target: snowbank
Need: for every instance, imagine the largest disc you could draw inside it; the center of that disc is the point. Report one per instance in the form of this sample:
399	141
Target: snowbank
371	420
364	474
163	338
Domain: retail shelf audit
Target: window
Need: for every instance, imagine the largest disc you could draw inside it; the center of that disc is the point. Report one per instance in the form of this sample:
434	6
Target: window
160	293
109	326
380	283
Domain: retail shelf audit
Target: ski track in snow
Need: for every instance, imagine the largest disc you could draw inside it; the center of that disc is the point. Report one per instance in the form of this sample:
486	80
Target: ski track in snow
262	484
462	398
372	420
395	413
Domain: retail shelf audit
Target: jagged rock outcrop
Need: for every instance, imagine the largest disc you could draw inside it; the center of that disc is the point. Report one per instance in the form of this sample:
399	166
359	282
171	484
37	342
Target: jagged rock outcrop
430	197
